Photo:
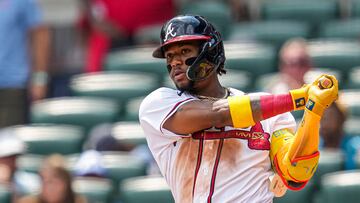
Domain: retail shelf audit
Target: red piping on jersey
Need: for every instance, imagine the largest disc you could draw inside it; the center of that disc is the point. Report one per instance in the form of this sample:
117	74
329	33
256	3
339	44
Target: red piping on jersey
257	138
217	160
175	106
198	163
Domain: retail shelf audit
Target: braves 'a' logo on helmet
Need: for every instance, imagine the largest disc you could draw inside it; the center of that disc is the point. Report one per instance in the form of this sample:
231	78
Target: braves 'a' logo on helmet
170	32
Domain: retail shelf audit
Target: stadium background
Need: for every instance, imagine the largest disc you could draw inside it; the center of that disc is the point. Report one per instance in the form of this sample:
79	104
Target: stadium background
62	124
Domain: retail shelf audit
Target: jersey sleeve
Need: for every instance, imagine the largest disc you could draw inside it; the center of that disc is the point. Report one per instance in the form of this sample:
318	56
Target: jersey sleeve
160	105
283	121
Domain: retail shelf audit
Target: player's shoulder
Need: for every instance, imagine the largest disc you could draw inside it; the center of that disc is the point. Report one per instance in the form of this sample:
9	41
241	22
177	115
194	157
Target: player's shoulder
161	93
162	96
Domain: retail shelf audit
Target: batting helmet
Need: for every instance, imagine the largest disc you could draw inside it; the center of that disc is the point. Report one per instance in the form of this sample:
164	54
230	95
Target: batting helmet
189	28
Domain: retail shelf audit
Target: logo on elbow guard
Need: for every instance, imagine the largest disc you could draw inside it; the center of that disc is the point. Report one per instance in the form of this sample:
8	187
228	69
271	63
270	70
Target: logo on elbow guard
310	104
300	102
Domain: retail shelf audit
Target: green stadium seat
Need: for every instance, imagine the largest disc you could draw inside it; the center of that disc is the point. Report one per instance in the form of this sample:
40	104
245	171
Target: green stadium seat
351	100
118	166
341	186
121	166
83	111
30	162
145	189
273	32
167	82
148	35
330	161
353	81
255	58
264	80
301	196
117	85
217	12
46	139
349	29
238	79
129	133
357	160
132	109
5	194
136	59
311	75
339	55
355	8
352	127
313	12
95	189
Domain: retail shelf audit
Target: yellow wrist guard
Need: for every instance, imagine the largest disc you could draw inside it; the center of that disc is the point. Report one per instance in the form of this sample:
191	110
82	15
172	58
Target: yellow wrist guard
240	110
299	97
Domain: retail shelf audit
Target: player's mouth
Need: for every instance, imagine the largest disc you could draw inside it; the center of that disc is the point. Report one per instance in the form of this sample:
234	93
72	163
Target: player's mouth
179	75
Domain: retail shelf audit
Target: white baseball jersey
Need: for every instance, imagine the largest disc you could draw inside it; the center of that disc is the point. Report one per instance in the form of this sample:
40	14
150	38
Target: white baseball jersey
215	165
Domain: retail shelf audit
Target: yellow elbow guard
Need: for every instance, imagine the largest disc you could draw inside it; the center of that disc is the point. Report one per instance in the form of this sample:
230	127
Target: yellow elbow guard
295	174
240	110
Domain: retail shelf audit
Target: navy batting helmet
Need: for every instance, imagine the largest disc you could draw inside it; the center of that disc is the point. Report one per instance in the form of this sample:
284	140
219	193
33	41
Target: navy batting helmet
194	27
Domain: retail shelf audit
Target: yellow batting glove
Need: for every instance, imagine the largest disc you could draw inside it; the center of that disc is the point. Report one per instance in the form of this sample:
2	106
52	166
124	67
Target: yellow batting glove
322	93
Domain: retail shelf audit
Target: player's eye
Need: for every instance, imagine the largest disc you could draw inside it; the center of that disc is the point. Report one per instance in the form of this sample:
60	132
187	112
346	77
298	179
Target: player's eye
185	51
169	57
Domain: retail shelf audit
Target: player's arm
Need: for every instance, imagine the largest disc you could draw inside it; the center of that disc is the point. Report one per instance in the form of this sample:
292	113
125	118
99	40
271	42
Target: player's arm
237	111
195	116
295	156
246	110
40	44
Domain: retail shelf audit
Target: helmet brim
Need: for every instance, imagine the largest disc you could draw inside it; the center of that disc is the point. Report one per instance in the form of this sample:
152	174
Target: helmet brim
159	53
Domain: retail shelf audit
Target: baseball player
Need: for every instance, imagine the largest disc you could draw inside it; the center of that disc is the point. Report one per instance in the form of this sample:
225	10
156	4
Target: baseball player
217	144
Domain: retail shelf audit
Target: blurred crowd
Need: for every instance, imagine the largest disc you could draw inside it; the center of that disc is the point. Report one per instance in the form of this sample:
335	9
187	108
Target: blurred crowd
46	43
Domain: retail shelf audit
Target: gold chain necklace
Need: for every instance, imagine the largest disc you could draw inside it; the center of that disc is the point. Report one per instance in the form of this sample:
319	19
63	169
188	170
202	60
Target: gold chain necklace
227	93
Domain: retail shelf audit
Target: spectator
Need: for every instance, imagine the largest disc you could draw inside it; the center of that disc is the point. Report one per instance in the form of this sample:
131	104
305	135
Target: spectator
90	164
294	63
56	184
332	135
332	127
18	182
101	139
112	24
23	59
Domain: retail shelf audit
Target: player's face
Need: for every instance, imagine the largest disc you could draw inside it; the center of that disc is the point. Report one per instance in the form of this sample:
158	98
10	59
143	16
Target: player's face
176	55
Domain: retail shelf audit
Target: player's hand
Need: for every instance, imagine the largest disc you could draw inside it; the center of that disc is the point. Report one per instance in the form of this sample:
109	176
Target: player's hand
222	106
322	92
